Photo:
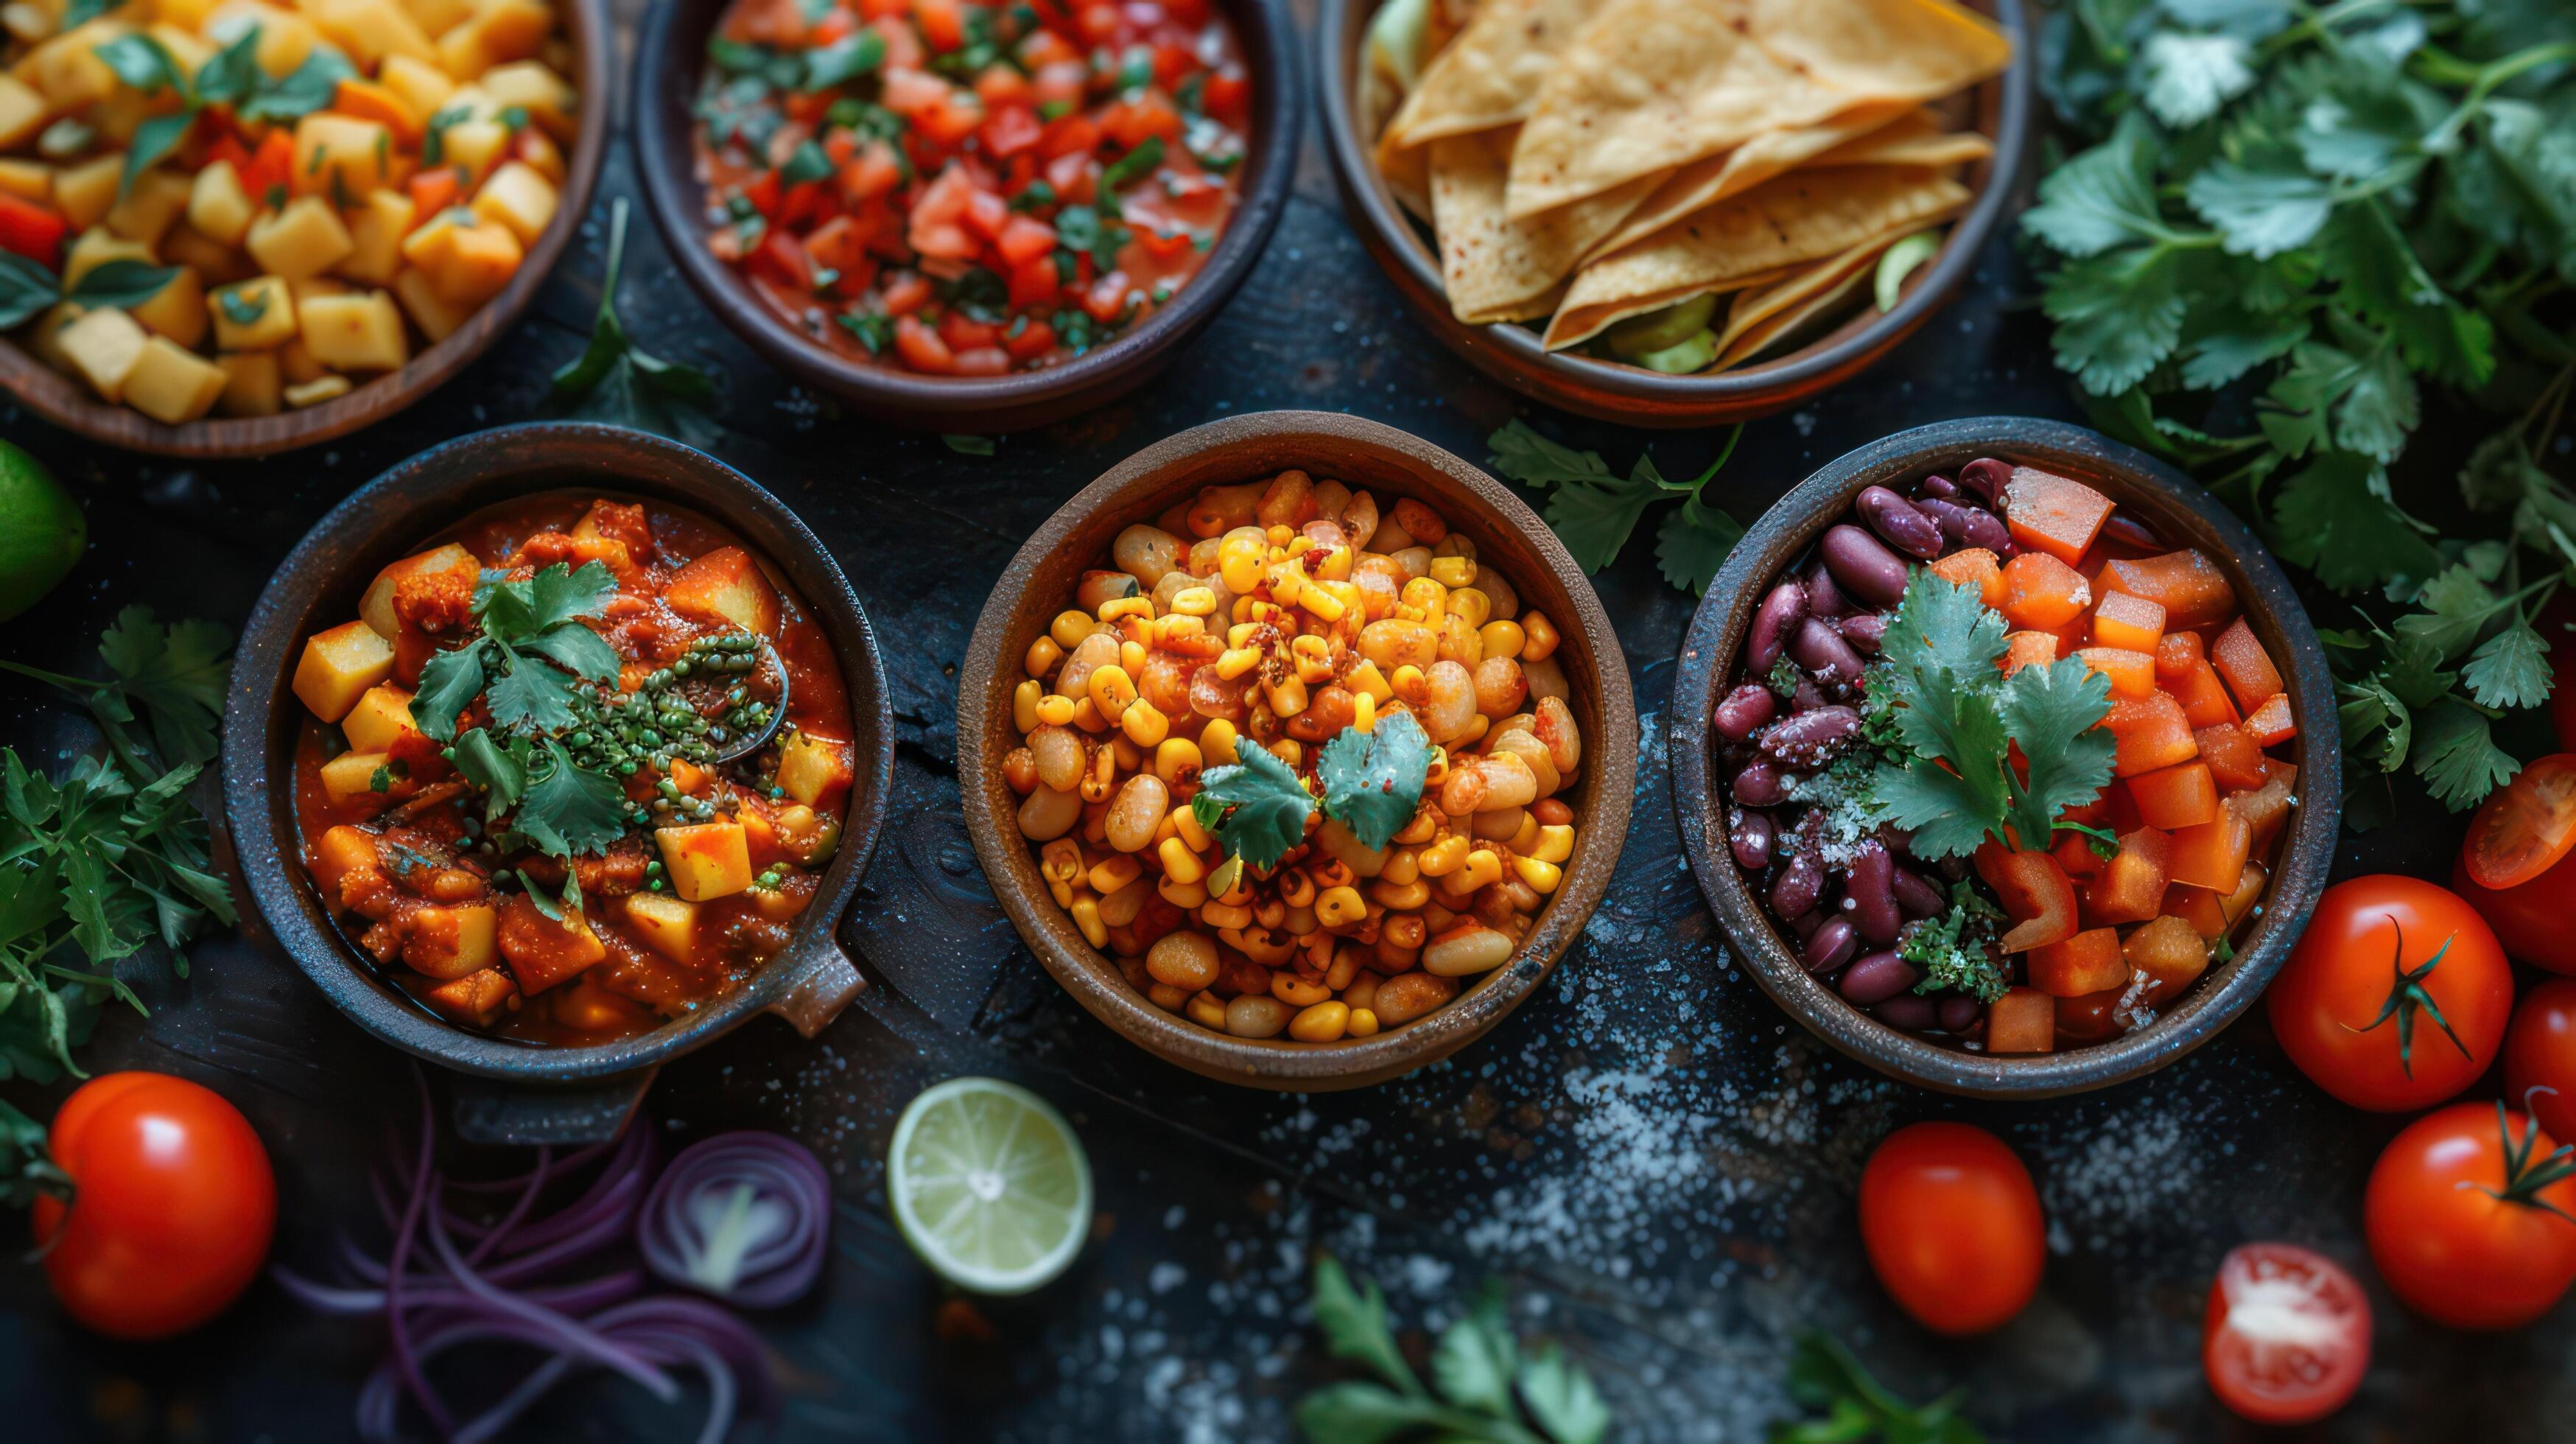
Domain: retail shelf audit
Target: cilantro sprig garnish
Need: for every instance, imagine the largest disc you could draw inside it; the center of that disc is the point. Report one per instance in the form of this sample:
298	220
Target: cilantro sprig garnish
1372	783
614	379
1485	1384
1957	714
1954	949
1593	509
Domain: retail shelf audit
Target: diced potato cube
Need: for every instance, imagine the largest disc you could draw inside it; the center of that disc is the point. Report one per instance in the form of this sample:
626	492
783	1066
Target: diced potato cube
530	85
708	860
355	776
67	68
469	259
376	608
184	46
370	100
340	157
421	84
354	333
342	851
27	179
308	287
382	716
22	113
217	204
171	384
339	666
156	198
96	247
211	259
305	239
285	37
376	236
253	315
518	197
177	310
511	29
295	362
84	192
667	924
475	1000
103	346
725	585
437	17
436	317
453	942
476	145
544	951
317	391
814	770
251	385
539	150
45	336
370	30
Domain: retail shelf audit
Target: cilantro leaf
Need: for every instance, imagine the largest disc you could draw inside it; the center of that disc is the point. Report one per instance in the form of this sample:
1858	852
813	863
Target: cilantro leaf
529	695
2334	517
2051	713
2118	315
2190	76
615	378
1953	949
449	683
2101	198
1593	510
1941	634
2510	669
2264	211
1373	780
482	761
1523	455
1256	806
1693	544
2456	755
1947	812
568	811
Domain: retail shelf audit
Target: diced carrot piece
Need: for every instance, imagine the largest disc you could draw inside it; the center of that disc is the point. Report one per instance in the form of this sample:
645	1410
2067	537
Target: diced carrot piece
2132	886
2034	892
2249	891
2042	592
2075	855
2246	666
367	100
2132	674
1974	567
2085	963
2203	697
2028	649
2197	906
2149	732
2179	796
2235	761
2175	651
2170	952
2023	1020
2193	591
2052	514
2268	806
2133	624
2271	724
2122	814
2212	855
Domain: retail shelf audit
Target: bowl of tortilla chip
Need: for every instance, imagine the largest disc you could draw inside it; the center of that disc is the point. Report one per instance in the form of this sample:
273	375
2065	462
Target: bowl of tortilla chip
1675	212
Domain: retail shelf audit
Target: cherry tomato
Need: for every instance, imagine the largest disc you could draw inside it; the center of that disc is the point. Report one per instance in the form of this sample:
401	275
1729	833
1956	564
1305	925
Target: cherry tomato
171	1210
1952	1226
2526	826
2529	920
2553	623
2540	1053
2287	1335
2396	998
2467	1214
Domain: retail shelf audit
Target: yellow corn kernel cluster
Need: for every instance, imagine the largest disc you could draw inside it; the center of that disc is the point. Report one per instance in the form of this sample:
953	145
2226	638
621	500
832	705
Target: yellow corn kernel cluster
1277	614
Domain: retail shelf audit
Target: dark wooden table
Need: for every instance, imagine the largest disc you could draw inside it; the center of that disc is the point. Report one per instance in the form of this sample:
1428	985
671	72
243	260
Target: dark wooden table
1657	1162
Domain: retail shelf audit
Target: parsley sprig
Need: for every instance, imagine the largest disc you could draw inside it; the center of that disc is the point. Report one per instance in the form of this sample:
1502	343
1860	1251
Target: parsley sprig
1826	1378
1371	783
1485	1386
1592	509
617	380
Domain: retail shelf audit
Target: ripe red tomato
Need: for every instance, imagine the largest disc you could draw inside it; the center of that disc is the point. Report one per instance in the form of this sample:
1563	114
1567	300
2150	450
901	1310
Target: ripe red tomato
2467	1214
2540	1054
172	1205
2529	920
2517	865
1952	1226
2287	1335
2553	623
2396	998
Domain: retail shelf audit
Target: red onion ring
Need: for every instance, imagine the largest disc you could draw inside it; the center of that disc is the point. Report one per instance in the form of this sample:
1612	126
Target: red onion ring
742	1216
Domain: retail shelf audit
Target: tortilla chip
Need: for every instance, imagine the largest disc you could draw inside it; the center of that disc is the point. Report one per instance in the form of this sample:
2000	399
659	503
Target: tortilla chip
1408	178
1781	325
1756	308
1790	220
1705	182
1653	84
1500	270
1489	76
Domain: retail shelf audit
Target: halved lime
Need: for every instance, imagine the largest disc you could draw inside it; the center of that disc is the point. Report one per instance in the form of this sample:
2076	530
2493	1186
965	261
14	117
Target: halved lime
989	1185
42	531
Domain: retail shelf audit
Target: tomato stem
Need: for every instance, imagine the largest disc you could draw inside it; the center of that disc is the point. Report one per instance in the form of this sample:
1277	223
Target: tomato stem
2525	1177
2409	996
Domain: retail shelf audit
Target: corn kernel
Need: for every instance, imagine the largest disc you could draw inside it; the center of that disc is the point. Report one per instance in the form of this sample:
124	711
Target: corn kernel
1363	1023
1180	864
1183	895
1363	713
1224	915
1454	571
1024	705
1063	892
1114	872
1167	997
1555	844
1060	860
1132	655
1524	838
1131	758
1176	760
1194	602
1323	1022
1313	657
1178	631
1070	627
1217	742
1476	729
1287	695
1235	661
1287	750
1439	770
1542	637
1502	639
1086	715
1086	916
1337	907
1240	634
1542	877
1207	1010
1403	865
1117	607
1471	606
1055	711
1483	869
1281	535
1367	678
1297	992
1043	657
1400	896
1185	826
1322	603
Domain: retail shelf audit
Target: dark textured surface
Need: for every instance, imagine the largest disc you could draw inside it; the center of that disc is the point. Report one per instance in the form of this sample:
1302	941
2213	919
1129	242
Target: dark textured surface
1651	1155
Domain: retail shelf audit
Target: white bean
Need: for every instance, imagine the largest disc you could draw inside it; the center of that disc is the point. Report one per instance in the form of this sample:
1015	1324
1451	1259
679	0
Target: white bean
1048	814
1145	553
1466	950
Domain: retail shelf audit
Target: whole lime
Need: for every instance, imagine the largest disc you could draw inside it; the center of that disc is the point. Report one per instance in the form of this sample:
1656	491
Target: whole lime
42	531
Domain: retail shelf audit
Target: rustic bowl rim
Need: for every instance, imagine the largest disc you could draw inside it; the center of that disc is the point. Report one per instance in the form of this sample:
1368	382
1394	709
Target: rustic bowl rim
675	30
480	469
1510	352
1128	490
2266	597
69	404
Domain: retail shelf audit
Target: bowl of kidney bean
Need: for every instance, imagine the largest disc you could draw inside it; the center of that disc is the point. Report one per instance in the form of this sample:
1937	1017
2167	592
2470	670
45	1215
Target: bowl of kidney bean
2166	898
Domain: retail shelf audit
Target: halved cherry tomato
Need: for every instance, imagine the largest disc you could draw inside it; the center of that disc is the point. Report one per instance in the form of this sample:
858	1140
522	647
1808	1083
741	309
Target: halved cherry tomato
2468	1217
2526	827
2397	996
31	230
2286	1337
1952	1226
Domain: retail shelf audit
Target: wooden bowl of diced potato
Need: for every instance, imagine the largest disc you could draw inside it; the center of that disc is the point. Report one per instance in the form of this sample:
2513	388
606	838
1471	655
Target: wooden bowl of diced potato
231	227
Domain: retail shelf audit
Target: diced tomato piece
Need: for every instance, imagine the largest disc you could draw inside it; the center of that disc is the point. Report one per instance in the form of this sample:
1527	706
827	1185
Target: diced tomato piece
1024	239
1099	24
2132	885
942	23
1034	340
952	120
2268	806
1069	135
986	214
272	164
2212	855
2132	674
2176	652
2149	732
2197	906
433	190
782	259
872	172
1011	129
2075	855
2034	892
2235	761
904	293
938	213
921	348
963	332
2271	724
32	230
998	85
1228	94
2193	591
1189	14
2203	697
1034	283
2246	667
801	204
1973	567
1134	121
2130	623
1075	178
835	25
884	9
1107	298
2042	592
912	92
2028	649
2170	951
2088	962
983	361
1044	46
836	245
2172	797
762	194
2053	514
2090	1018
808	106
2023	1020
1171	63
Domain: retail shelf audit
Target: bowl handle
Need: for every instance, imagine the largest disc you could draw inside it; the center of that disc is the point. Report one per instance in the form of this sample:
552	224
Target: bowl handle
825	982
493	1110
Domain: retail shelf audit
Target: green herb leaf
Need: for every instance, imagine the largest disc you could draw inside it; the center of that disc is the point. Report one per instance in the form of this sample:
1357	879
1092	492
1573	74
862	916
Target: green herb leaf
1256	806
568	811
2101	198
1825	1378
1561	1397
1355	1325
1957	950
856	54
121	283
484	762
2190	76
528	695
1472	1363
311	86
2054	713
2509	669
1693	543
25	289
449	683
1134	166
142	62
617	379
1373	780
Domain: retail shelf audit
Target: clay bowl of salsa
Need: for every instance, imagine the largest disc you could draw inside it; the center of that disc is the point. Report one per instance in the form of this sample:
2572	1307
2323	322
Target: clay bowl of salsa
964	217
476	764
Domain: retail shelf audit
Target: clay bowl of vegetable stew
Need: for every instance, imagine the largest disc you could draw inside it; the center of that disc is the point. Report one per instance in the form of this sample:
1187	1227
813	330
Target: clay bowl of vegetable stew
1393	467
859	357
2188	959
559	1088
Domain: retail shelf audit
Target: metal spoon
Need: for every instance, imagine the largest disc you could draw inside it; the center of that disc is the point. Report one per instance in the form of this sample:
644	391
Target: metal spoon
751	744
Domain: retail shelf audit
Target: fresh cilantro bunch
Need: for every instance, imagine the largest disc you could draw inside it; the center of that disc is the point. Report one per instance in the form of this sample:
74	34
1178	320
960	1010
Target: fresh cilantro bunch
2293	222
1371	782
1592	509
1826	1378
1488	1389
1956	711
1952	948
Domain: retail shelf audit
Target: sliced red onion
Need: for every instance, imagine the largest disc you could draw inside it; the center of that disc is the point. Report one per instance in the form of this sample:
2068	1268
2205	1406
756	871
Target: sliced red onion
743	1216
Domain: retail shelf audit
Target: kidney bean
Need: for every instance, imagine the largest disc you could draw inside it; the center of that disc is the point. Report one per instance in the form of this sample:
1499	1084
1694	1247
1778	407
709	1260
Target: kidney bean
1807	696
1907	1013
1985	477
1898	523
1914	897
2129	531
1824	598
1863	567
1940	487
1810	739
1750	833
1831	946
1958	1013
1970	526
1778	617
1864	632
1800	885
1820	649
1869	896
1804	925
1876	978
1760	784
1743	711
